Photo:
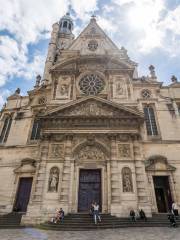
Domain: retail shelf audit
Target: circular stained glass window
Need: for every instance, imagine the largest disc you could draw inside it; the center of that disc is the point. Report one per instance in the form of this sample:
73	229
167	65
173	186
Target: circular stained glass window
91	84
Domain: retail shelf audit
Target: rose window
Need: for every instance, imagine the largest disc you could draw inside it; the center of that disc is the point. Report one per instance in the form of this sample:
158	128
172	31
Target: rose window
91	84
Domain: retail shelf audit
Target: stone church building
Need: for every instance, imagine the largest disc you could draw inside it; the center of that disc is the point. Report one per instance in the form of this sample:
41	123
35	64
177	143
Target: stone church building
90	130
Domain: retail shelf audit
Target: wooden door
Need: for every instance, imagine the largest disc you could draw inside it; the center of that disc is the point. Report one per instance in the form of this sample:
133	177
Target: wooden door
163	193
23	194
89	189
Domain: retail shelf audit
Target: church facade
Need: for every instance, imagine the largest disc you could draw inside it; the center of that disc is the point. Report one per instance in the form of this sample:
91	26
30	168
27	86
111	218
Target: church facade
90	130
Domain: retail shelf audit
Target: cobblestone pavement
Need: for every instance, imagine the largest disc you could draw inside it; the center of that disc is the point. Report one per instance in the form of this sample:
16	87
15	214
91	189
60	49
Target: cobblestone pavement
117	234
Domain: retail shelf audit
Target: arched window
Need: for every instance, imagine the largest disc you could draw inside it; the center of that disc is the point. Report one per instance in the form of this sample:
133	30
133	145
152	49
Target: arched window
69	26
127	179
5	129
36	129
53	179
150	121
65	25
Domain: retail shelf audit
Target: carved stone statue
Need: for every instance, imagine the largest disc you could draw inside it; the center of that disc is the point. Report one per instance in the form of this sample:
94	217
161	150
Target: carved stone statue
127	180
119	89
53	180
64	90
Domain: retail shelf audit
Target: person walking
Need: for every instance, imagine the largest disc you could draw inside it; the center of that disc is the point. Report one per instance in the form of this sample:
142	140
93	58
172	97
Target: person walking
175	210
172	220
96	213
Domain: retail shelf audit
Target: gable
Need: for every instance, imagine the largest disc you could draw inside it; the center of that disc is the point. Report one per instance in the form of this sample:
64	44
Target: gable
94	107
93	40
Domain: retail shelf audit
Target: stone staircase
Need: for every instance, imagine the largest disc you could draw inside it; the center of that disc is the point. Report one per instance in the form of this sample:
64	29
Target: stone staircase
82	222
11	220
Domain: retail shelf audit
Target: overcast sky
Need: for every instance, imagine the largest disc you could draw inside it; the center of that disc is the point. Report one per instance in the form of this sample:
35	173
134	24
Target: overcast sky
148	29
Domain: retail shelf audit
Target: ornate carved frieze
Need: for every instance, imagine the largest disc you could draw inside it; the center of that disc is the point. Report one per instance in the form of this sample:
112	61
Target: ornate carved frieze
90	109
91	153
57	151
124	150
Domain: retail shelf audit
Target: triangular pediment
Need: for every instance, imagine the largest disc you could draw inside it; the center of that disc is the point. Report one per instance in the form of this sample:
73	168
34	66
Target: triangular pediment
93	34
94	107
158	163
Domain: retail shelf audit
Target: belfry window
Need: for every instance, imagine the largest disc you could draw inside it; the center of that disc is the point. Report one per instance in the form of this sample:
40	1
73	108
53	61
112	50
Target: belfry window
36	129
64	24
5	129
150	121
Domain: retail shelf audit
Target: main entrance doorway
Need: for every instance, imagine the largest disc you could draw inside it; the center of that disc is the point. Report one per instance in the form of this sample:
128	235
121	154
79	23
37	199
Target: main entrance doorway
89	189
23	194
163	193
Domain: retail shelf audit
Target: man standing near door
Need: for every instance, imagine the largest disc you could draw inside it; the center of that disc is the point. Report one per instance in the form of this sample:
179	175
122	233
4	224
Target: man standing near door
96	213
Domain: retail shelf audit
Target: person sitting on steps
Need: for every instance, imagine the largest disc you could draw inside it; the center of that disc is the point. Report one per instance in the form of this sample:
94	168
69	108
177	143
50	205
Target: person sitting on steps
132	215
142	215
59	216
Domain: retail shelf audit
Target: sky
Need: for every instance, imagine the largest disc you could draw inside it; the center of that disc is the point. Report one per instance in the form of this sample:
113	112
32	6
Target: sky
148	29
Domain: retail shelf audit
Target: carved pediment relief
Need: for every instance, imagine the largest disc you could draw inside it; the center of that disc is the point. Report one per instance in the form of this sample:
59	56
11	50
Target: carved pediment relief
27	166
158	163
94	107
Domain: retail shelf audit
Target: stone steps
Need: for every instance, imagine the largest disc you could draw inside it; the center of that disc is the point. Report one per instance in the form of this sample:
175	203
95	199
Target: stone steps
11	220
77	222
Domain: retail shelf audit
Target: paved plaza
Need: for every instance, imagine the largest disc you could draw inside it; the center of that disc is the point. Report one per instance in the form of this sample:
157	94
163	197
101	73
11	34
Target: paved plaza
117	234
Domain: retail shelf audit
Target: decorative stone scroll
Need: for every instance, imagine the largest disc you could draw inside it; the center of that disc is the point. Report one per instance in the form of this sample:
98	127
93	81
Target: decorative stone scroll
127	179
53	179
57	151
91	153
124	150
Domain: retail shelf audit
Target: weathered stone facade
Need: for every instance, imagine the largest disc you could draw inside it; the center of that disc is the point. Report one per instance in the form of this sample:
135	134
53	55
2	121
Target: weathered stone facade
88	109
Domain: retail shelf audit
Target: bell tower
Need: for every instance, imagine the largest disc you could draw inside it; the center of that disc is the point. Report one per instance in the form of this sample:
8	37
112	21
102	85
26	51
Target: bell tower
65	32
61	38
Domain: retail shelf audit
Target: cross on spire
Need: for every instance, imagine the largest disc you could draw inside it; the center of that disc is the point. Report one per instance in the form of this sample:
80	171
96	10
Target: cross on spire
93	17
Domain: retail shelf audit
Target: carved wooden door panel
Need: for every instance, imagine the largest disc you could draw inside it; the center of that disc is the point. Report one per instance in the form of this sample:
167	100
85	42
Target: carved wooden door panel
23	194
89	189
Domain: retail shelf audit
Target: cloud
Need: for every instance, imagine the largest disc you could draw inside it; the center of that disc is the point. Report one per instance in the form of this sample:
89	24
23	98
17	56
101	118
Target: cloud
28	22
145	25
4	94
14	61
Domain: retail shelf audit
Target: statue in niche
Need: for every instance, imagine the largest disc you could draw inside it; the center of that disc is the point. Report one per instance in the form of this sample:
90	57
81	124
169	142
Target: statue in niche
119	88
53	180
124	150
64	90
127	180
